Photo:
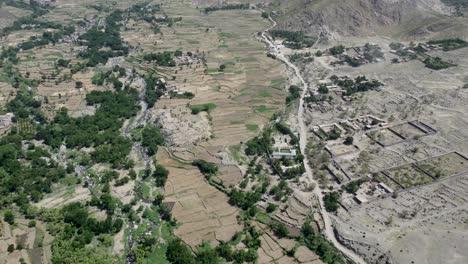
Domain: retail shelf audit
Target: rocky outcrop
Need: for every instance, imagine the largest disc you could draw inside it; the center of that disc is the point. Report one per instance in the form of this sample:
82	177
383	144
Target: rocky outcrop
182	129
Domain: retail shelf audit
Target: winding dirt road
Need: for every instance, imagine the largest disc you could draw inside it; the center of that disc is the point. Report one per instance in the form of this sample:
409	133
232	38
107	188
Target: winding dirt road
328	231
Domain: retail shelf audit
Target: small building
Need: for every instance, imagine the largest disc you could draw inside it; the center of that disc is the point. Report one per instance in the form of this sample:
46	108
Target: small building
360	199
384	187
284	153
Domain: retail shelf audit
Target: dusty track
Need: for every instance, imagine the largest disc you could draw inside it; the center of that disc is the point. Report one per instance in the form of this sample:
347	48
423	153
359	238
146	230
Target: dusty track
302	128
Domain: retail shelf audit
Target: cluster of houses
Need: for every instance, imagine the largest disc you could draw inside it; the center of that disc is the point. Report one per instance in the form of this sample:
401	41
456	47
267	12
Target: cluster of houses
369	53
187	60
368	191
409	52
349	126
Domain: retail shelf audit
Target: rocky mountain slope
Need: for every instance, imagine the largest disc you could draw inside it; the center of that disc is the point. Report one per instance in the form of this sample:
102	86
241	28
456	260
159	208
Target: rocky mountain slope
406	19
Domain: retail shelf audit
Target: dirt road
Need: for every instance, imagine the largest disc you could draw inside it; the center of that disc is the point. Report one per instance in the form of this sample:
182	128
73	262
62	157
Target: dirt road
302	129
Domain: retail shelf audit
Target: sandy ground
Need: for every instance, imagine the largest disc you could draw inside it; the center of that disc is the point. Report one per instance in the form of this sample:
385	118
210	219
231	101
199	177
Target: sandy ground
424	224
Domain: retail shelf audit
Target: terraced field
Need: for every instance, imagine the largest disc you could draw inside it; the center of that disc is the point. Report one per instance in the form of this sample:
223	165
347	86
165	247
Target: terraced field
243	92
203	211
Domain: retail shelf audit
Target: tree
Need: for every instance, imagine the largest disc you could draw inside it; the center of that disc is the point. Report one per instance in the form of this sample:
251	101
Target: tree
207	255
279	229
11	248
205	167
225	251
151	138
323	89
178	253
32	223
9	217
160	174
337	50
331	201
222	67
75	214
349	140
271	208
307	229
78	85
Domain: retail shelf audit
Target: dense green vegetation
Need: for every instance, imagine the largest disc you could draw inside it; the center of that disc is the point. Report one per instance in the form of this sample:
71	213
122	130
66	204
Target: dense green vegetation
185	95
155	88
96	40
196	109
459	3
337	50
450	44
359	84
165	58
226	7
179	253
25	174
301	57
294	93
24	105
31	22
294	39
352	62
100	131
327	252
74	229
206	168
259	145
353	186
37	11
436	63
105	77
331	201
160	174
280	191
151	138
246	200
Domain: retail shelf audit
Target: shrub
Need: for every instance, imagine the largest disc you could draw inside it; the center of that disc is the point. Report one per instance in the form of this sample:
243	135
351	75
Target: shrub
196	109
32	223
151	138
349	140
11	248
279	229
160	174
323	89
436	63
178	253
337	50
205	167
9	217
271	208
331	201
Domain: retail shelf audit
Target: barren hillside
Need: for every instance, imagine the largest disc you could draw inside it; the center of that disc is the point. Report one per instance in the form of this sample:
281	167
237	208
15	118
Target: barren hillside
331	19
406	19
